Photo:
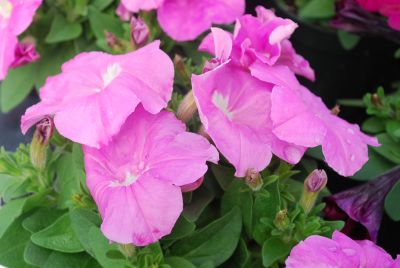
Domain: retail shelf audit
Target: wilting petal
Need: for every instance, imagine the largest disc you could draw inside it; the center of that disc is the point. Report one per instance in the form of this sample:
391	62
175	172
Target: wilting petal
95	93
185	20
135	179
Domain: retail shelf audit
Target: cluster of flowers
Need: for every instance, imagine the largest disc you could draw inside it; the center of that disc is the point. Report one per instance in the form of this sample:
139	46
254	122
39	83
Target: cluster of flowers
139	156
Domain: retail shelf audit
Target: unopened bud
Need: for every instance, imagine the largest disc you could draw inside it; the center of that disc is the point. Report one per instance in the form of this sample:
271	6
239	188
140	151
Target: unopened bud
192	186
376	100
314	183
40	142
254	180
113	42
139	32
282	220
25	53
181	69
335	110
187	108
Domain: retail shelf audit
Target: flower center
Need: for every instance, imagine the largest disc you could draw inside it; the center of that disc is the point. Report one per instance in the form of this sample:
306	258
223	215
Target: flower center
112	72
222	103
5	8
131	176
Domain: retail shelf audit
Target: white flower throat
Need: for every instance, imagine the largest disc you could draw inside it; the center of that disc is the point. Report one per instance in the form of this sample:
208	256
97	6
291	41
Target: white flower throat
112	72
222	103
5	9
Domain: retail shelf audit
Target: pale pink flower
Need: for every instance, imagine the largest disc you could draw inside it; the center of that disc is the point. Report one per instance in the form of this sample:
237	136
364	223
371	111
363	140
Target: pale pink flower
15	17
123	13
259	39
185	20
340	251
24	54
95	93
234	108
301	118
135	179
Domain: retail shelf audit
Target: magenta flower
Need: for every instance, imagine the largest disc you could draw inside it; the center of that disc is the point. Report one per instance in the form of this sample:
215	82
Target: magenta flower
135	179
24	54
96	92
260	39
340	251
388	8
185	20
301	118
365	203
15	17
236	115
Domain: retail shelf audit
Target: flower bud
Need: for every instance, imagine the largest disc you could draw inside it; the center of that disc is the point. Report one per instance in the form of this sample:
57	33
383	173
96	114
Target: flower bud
254	180
40	142
182	70
139	32
314	183
376	101
282	220
187	108
123	13
192	186
335	110
24	54
113	42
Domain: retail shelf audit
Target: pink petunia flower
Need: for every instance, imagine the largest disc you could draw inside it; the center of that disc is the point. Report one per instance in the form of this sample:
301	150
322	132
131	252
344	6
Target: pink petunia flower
236	115
15	17
96	92
340	251
185	20
123	13
259	39
301	118
135	179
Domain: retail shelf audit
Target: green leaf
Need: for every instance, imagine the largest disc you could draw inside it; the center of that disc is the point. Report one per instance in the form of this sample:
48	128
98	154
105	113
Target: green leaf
392	202
16	86
182	228
101	4
240	195
240	258
10	187
64	260
348	40
35	255
41	219
178	262
376	165
374	125
274	249
12	246
318	9
102	22
59	236
85	224
224	175
215	243
389	148
393	129
201	198
62	30
14	209
397	54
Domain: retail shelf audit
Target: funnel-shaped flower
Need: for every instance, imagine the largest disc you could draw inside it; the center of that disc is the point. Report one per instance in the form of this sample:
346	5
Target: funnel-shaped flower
15	17
340	251
185	20
95	93
263	38
365	203
135	179
234	108
301	118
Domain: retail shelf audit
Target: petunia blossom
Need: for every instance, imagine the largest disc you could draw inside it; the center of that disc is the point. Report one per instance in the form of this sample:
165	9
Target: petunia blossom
388	8
301	118
96	92
236	115
340	251
135	179
15	18
264	39
365	203
185	20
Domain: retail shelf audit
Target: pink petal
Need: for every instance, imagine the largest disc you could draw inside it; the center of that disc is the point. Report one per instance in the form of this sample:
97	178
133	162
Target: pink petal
7	47
234	113
185	20
22	14
137	5
375	256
